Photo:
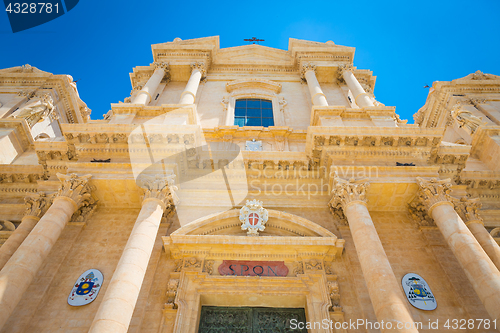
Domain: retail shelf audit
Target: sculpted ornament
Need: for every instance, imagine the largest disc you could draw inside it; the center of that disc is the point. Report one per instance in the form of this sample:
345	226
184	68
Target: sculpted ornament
35	110
345	192
253	217
74	187
37	204
162	188
433	191
166	67
342	68
306	68
201	67
468	209
466	119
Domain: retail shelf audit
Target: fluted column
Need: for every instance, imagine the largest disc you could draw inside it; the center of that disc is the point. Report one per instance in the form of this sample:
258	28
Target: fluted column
144	95
480	270
36	206
198	71
384	289
360	96
317	96
115	312
19	271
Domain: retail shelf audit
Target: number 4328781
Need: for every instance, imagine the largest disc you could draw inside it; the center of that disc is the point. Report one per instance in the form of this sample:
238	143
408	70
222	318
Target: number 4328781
32	8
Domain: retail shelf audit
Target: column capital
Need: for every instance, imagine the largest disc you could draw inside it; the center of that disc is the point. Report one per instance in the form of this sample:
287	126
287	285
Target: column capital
202	67
306	68
434	192
160	188
165	66
74	187
348	192
342	68
37	204
468	210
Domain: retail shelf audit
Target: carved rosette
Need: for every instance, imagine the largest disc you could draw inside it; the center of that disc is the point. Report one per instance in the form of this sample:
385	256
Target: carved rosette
201	67
305	68
468	209
37	204
161	188
76	188
166	67
342	68
347	192
433	191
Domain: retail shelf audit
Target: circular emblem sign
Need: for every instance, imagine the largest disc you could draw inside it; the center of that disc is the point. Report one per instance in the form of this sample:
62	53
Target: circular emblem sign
418	292
86	288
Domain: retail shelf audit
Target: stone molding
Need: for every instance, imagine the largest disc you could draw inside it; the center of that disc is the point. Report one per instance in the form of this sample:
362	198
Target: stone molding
37	204
468	209
74	187
160	188
434	192
348	192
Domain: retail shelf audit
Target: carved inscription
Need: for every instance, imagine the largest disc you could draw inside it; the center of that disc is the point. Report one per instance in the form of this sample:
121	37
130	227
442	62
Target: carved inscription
253	268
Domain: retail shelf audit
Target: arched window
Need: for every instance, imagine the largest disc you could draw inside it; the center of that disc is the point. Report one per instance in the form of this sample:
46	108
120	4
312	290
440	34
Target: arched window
253	112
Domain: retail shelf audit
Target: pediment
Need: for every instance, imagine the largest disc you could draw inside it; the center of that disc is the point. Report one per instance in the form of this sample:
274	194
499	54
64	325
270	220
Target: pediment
279	224
478	76
253	54
286	237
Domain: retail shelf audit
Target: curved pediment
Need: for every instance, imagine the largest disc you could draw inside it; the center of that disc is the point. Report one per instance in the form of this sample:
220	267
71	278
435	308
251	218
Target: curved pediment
247	84
279	224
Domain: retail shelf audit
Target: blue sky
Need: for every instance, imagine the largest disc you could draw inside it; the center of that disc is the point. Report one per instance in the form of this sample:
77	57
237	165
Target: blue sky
406	44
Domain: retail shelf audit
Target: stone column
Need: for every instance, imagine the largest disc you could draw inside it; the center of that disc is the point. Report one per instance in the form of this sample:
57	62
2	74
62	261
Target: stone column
480	270
144	95
20	270
317	96
36	206
360	96
198	71
115	312
467	209
384	289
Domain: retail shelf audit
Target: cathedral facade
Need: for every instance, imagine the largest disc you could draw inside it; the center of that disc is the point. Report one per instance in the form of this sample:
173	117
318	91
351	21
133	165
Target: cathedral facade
248	189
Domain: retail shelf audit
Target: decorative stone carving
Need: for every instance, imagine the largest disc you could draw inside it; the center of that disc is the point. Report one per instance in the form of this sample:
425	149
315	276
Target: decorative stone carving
314	265
338	215
305	69
418	212
172	286
334	294
192	263
253	217
478	75
345	192
166	67
75	187
36	110
466	119
6	225
433	191
208	267
161	188
468	209
37	204
178	265
341	69
85	211
298	268
201	67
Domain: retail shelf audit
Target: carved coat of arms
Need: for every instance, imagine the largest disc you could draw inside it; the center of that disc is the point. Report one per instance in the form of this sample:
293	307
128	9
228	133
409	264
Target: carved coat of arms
418	292
253	217
86	288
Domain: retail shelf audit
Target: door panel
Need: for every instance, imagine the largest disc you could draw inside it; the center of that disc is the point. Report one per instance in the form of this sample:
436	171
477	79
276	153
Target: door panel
249	320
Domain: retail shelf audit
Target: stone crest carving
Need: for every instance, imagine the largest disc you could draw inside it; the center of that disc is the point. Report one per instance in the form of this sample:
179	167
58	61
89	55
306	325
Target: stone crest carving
314	265
253	217
192	263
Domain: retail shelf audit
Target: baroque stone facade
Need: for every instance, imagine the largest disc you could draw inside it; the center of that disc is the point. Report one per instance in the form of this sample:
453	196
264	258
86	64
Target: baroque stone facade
323	208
